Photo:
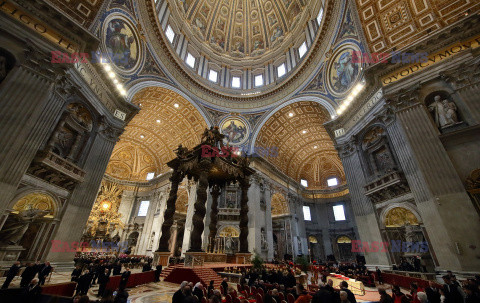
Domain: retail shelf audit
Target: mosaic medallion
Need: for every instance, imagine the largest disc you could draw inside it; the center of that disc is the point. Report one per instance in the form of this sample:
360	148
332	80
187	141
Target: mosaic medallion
236	131
342	71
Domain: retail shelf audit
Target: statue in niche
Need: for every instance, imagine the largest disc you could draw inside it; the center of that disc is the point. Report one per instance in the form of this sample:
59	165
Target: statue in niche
229	245
263	240
413	233
17	224
3	68
444	112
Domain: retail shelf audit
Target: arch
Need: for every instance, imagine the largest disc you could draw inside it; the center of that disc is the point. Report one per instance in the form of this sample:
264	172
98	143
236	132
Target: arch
327	104
343	239
397	215
132	91
166	119
294	134
40	196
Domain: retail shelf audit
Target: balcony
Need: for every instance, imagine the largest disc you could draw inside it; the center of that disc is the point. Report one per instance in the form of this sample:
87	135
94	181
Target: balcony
389	186
56	170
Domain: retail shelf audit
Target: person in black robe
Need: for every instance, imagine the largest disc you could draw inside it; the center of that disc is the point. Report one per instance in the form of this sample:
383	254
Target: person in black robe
103	280
178	296
433	294
198	291
11	273
117	268
158	271
28	274
84	283
76	273
122	296
146	267
124	278
379	276
32	291
350	295
224	286
44	272
323	295
451	291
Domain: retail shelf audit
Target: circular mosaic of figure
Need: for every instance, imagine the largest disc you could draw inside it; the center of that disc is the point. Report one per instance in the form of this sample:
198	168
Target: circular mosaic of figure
342	72
254	15
239	16
236	131
121	43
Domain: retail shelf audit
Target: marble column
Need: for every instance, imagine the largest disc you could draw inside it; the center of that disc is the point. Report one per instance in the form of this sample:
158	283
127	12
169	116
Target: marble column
175	180
200	209
244	186
213	215
29	110
268	218
173	238
83	196
160	198
365	215
192	197
446	210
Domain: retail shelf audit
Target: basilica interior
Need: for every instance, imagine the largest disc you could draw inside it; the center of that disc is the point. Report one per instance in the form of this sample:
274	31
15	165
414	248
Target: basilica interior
184	131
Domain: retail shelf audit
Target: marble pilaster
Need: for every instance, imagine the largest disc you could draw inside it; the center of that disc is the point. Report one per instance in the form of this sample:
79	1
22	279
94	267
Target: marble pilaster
439	193
268	218
365	216
83	196
30	108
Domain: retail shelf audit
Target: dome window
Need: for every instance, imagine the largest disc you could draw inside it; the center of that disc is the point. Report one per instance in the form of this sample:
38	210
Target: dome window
258	80
170	33
213	76
302	50
190	60
236	82
281	70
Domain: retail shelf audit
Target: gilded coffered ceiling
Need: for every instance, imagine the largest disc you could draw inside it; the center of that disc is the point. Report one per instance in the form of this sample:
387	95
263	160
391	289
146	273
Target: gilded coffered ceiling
305	150
82	11
165	120
240	28
393	23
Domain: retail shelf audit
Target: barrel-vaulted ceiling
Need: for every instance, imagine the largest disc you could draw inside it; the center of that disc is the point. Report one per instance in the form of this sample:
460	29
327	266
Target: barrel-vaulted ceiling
165	120
305	150
240	28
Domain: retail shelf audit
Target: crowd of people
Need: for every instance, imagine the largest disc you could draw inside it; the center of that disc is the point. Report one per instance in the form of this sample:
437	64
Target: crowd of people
279	286
87	258
452	291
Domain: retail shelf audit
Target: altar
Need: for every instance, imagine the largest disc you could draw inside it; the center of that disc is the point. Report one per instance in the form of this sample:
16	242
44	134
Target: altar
214	173
355	286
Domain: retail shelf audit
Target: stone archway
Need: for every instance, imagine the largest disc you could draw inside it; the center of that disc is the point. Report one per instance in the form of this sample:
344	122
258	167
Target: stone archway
403	225
29	226
344	248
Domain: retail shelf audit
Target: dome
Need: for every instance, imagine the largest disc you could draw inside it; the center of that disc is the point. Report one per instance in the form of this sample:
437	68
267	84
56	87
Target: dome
238	54
242	29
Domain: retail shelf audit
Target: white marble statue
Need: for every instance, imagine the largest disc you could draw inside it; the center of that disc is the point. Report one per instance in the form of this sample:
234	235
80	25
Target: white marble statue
444	112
